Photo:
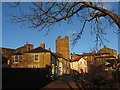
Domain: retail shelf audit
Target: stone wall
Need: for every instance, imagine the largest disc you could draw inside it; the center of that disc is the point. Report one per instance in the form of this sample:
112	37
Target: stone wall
6	52
25	48
27	60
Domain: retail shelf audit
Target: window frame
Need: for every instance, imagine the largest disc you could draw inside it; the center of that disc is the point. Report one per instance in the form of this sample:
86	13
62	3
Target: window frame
15	59
36	60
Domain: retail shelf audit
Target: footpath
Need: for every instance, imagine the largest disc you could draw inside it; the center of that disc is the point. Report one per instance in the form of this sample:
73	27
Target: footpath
65	83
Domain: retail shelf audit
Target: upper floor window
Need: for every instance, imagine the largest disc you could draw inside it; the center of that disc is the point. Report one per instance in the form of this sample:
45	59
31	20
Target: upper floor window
16	58
36	58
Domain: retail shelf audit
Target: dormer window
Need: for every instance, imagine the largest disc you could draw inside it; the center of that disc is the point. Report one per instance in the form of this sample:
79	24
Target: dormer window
16	59
36	57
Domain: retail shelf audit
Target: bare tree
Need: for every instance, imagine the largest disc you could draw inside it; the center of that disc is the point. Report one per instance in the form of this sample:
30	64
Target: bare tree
44	15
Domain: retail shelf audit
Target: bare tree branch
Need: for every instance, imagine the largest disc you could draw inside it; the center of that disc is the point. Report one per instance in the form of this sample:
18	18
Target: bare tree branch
46	14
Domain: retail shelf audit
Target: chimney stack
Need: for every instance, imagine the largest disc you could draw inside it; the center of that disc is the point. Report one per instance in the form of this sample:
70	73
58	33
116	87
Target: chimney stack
49	49
42	45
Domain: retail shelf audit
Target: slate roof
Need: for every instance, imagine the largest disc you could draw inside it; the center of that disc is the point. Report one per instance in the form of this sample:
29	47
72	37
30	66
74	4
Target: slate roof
6	48
102	53
58	55
18	53
37	50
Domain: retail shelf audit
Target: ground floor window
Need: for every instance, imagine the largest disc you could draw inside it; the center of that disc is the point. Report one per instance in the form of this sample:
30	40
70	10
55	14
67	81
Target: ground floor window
33	66
16	59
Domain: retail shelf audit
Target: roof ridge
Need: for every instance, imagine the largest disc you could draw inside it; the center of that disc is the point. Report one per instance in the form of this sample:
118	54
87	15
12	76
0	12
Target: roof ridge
7	48
40	49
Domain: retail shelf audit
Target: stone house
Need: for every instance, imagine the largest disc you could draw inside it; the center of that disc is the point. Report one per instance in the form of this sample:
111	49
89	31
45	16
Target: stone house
35	58
111	52
7	52
107	57
27	57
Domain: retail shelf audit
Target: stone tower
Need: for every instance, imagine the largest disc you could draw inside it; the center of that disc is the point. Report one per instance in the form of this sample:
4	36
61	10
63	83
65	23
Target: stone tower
62	47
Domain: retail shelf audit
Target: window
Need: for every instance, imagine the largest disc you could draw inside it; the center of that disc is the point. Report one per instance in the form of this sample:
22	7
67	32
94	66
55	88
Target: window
33	66
29	49
36	57
16	59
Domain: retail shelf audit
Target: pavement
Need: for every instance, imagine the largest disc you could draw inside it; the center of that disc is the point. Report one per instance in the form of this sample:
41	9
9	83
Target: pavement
62	84
65	83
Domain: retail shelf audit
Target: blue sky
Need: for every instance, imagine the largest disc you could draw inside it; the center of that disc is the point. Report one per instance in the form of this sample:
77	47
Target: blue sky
16	35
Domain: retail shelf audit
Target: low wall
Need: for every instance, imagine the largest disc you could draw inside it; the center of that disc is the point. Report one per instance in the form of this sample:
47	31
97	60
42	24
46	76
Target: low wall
24	78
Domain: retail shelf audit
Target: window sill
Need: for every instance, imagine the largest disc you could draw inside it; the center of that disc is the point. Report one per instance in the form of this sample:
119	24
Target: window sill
36	60
16	62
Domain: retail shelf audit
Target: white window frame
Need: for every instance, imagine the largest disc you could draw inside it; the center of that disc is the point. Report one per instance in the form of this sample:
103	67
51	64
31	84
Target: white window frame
15	58
38	58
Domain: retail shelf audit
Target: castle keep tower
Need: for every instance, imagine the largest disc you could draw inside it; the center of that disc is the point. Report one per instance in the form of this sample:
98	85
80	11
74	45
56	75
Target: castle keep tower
62	47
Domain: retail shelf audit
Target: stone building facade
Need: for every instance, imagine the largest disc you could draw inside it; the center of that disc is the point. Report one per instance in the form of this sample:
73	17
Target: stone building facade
7	52
35	58
62	47
23	56
27	47
40	58
111	52
105	57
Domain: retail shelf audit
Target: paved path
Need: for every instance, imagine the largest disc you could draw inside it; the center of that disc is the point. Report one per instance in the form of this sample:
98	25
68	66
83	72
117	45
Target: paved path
66	82
62	84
